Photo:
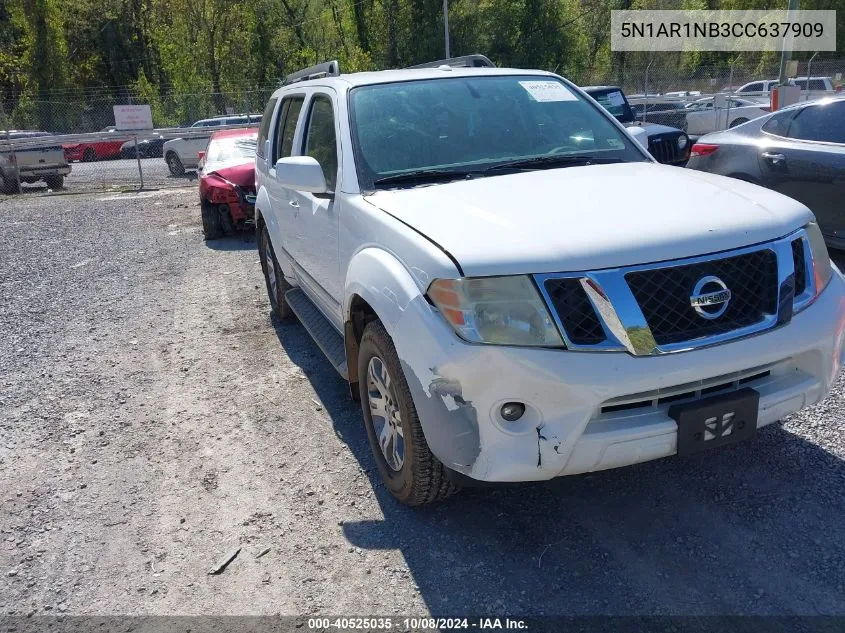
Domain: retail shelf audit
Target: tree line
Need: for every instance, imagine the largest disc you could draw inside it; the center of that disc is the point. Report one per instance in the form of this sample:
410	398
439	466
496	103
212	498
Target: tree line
63	63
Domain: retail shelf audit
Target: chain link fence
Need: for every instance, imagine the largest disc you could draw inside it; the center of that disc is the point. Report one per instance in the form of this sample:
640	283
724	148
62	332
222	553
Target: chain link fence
85	153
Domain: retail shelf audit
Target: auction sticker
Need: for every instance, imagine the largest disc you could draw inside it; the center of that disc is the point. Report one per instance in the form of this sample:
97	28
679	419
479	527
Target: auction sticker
547	91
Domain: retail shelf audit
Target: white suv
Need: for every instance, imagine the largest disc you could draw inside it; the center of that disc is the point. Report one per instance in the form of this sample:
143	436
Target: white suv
515	290
183	153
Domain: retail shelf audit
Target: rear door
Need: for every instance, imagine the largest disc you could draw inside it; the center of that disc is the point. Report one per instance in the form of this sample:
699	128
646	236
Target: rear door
283	221
807	162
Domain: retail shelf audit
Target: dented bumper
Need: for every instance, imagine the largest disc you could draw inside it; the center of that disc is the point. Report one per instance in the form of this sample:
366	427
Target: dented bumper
593	411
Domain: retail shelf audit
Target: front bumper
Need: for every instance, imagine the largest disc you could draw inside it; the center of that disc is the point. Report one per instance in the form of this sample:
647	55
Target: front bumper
458	389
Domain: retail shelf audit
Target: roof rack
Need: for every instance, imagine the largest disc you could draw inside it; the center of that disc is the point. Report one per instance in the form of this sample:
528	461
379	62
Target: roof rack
467	61
327	69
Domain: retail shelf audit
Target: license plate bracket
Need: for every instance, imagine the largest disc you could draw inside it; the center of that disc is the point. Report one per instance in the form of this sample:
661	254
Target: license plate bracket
716	421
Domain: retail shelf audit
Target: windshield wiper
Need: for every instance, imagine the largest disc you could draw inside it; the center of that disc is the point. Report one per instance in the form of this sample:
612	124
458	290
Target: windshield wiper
540	162
424	175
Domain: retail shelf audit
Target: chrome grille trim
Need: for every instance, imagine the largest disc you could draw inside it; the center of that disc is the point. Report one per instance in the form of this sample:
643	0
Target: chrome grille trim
623	320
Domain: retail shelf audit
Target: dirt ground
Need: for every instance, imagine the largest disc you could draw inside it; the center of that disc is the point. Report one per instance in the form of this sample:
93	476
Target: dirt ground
153	418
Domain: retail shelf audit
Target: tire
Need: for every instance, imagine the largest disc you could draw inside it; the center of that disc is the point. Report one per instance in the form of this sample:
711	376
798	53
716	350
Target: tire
8	185
89	155
736	122
274	278
55	182
174	164
420	478
225	216
212	228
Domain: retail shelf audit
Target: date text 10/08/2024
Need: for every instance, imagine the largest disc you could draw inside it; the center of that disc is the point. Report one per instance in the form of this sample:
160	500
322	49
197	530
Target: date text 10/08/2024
386	624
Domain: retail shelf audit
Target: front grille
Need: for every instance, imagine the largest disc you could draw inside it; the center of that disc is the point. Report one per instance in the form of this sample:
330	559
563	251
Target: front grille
575	311
686	395
800	266
665	149
663	295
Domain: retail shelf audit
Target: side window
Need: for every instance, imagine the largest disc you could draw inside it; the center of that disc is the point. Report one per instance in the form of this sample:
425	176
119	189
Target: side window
264	130
817	84
755	87
824	123
286	128
320	140
778	123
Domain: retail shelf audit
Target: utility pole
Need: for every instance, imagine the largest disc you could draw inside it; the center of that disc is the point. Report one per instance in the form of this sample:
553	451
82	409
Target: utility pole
446	26
786	51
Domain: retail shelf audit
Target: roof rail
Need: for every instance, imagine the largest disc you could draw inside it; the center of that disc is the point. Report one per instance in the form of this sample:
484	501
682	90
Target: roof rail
327	69
467	61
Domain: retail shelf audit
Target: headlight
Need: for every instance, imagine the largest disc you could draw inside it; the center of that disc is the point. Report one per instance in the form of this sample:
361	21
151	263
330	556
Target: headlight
682	142
502	310
822	269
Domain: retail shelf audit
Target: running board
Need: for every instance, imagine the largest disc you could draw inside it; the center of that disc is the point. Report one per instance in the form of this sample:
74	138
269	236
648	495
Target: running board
327	338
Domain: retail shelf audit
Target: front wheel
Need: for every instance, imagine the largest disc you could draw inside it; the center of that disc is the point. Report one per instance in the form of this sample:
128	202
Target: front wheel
212	228
174	164
407	466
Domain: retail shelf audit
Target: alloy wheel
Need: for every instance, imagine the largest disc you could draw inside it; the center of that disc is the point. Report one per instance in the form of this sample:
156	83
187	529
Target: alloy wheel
386	417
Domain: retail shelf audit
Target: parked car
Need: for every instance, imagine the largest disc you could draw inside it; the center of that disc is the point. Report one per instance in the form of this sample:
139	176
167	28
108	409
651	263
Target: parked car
819	87
683	93
150	147
180	154
669	113
798	151
667	144
757	90
703	117
96	150
227	181
516	291
27	164
814	87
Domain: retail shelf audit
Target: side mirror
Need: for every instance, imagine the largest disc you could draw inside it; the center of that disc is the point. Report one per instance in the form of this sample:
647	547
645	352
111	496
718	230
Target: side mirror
301	173
200	155
639	135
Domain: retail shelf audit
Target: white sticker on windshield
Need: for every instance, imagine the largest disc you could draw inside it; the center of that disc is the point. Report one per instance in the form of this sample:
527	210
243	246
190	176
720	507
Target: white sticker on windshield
616	98
547	91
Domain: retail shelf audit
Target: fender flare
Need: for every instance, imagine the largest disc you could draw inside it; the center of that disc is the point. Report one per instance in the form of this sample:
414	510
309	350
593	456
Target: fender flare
384	282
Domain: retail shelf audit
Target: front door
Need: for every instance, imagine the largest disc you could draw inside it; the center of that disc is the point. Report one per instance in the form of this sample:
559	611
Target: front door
808	163
318	213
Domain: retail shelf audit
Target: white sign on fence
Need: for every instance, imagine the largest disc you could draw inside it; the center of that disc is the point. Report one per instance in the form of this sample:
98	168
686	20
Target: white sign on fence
133	117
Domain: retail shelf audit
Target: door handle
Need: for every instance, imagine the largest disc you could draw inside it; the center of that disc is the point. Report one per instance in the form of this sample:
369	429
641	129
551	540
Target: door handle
775	159
294	204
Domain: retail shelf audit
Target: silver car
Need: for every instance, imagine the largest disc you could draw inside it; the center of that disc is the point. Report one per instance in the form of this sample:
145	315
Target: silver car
798	151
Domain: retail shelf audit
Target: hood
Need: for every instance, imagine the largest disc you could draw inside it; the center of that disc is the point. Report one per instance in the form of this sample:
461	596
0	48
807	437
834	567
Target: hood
654	129
584	218
241	174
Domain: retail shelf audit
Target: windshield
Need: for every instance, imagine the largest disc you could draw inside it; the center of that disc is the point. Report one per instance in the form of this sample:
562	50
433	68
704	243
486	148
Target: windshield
472	123
233	149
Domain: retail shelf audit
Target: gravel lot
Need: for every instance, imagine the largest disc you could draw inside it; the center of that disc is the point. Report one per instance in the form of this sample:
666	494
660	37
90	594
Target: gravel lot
152	417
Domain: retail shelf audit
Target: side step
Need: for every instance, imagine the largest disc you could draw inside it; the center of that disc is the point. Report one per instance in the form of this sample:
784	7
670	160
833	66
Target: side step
327	338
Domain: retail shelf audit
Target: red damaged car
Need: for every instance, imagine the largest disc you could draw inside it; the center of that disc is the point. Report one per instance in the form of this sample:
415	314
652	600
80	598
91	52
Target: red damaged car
227	181
95	150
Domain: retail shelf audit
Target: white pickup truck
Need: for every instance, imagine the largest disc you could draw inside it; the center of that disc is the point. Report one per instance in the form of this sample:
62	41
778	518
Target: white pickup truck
508	283
26	156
